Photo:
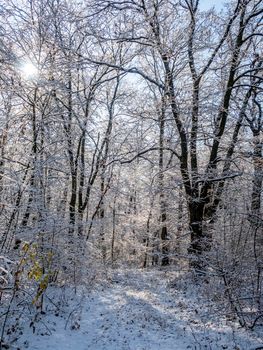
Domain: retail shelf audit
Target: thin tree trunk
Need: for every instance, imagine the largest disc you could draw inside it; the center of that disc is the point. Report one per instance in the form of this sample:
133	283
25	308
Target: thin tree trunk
146	240
32	182
113	229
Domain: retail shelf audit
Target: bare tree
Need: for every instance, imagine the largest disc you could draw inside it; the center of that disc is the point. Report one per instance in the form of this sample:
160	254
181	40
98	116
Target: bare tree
152	31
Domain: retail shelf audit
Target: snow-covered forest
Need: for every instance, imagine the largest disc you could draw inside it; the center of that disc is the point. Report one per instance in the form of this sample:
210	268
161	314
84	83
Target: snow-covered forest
131	174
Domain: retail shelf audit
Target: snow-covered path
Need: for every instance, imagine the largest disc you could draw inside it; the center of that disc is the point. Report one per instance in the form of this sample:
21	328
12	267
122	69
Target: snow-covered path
136	311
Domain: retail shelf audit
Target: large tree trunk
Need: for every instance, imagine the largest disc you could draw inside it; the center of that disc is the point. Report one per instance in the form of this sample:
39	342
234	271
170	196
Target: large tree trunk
199	240
163	214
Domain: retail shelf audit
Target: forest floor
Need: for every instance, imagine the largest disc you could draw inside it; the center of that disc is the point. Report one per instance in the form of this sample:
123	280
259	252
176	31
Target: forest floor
134	310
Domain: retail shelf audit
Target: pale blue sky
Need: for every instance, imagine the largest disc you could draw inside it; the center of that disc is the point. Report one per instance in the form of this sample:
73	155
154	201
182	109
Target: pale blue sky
207	4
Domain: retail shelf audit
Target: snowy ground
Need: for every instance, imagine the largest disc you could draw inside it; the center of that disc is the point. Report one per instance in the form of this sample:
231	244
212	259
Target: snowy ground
135	310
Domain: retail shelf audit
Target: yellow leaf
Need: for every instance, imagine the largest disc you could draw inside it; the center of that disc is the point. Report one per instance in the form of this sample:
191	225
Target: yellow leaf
25	247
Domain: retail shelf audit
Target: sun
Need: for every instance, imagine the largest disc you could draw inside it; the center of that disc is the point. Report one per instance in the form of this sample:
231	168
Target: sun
29	70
